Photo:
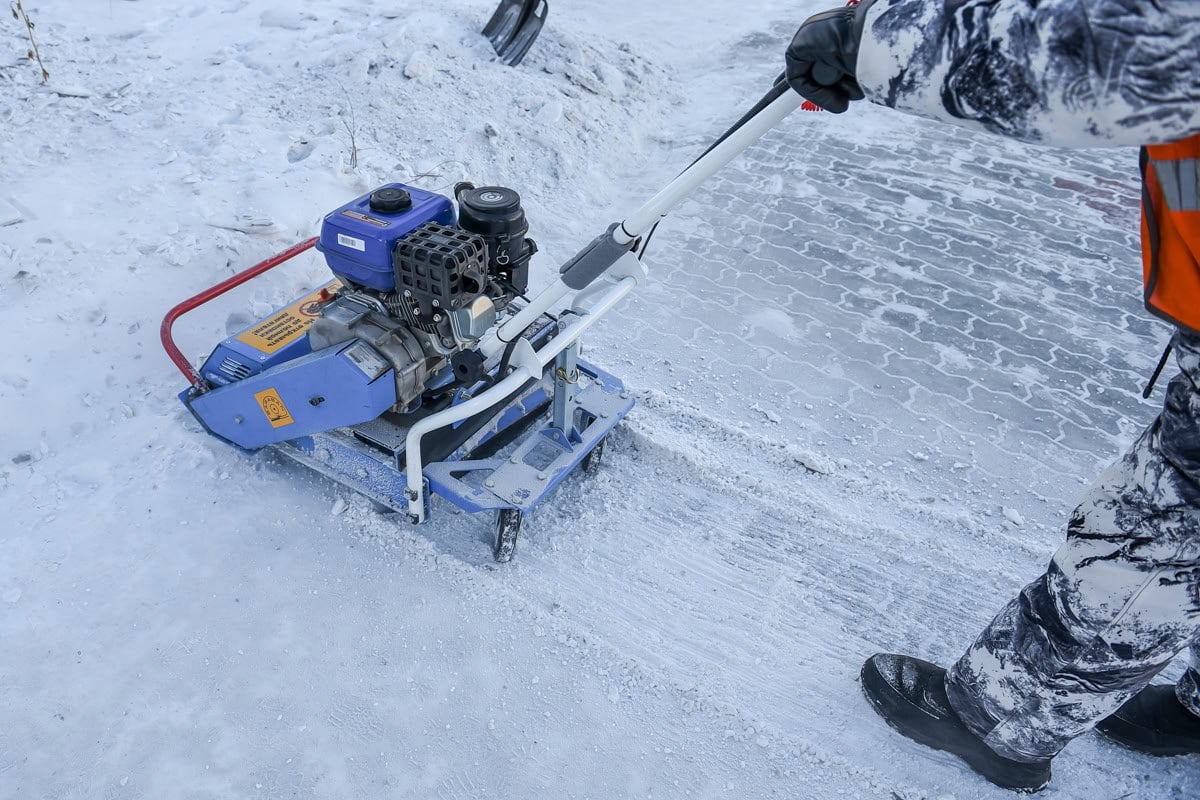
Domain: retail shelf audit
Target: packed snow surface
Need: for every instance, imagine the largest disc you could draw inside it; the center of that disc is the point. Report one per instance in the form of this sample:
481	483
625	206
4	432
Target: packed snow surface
877	361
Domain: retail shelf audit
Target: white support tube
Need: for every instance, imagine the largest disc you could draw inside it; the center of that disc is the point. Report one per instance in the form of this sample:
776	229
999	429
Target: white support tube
661	204
529	365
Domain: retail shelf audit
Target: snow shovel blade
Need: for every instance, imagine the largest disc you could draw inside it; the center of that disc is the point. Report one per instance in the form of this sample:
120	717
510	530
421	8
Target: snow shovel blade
514	27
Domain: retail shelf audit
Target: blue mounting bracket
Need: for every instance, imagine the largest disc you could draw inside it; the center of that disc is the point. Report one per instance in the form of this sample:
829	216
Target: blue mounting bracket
537	455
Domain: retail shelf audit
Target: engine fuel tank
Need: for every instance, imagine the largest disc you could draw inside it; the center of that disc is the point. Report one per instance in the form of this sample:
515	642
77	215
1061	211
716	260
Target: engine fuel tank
358	238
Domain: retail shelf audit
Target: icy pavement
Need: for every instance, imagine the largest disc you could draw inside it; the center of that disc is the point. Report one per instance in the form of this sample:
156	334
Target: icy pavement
914	298
951	319
877	361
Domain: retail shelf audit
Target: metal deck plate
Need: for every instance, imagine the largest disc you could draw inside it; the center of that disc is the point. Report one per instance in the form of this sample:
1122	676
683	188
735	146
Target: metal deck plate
525	484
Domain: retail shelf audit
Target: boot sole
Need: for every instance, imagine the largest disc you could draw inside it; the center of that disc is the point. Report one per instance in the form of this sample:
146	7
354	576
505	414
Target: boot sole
1161	707
892	707
1140	746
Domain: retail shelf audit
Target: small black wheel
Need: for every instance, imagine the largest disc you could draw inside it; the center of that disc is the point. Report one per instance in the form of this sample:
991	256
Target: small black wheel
592	461
508	526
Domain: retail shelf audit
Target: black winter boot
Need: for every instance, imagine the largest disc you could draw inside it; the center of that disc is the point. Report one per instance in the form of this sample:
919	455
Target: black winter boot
1153	721
911	695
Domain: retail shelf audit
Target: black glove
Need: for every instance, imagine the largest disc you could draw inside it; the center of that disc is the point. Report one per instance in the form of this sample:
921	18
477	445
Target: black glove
823	54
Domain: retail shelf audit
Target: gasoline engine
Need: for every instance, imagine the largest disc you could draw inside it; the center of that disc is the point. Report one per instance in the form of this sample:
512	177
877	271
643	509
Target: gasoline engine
420	287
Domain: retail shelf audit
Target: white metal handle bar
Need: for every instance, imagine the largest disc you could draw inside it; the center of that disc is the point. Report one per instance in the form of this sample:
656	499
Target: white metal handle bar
529	363
657	207
640	222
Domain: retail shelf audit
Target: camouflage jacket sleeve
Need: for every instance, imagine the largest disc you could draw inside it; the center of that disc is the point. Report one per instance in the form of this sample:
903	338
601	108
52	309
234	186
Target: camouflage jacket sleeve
1077	73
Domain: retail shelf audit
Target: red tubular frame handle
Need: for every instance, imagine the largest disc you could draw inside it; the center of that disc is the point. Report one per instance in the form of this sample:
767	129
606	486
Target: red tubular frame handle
192	303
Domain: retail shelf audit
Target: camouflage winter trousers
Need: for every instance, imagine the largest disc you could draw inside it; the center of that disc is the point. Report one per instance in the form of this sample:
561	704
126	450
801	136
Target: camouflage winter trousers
1118	602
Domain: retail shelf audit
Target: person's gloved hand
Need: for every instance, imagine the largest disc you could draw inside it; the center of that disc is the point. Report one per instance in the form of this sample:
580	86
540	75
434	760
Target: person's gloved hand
822	57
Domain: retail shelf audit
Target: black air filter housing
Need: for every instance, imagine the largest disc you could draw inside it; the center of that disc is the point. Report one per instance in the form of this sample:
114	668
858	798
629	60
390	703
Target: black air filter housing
440	267
495	213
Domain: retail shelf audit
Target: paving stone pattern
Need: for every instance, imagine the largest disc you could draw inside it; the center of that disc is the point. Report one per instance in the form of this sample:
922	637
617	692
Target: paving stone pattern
957	306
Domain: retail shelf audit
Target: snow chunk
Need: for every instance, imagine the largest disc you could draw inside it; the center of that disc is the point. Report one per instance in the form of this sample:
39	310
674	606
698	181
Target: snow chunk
549	114
419	66
9	215
585	81
249	223
1013	516
768	413
288	20
72	91
611	77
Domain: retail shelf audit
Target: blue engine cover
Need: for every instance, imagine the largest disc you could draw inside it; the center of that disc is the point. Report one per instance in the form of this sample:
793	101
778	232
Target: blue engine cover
341	385
358	238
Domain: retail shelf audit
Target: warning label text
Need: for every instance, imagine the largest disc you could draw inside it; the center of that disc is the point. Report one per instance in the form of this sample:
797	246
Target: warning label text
286	325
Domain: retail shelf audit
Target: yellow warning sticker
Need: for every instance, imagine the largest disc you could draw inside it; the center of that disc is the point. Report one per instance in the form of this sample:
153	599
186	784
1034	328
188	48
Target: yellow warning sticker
288	324
273	406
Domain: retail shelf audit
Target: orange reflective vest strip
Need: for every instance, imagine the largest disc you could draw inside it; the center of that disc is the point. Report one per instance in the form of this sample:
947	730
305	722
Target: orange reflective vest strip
1171	231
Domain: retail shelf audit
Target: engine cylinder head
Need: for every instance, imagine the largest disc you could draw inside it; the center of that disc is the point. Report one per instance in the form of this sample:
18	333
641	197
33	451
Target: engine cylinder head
440	268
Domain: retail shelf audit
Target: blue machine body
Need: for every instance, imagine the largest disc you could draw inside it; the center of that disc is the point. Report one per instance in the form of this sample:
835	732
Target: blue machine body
234	360
335	409
331	388
328	410
370	458
358	240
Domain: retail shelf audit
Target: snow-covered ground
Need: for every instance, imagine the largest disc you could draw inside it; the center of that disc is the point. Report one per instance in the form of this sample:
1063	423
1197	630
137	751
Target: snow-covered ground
876	364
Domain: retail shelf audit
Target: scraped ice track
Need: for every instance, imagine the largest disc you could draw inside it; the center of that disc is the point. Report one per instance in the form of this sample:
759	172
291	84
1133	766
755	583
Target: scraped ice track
750	593
886	289
965	308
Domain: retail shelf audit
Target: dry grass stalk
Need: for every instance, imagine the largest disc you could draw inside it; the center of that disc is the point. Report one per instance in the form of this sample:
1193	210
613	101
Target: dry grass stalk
19	14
